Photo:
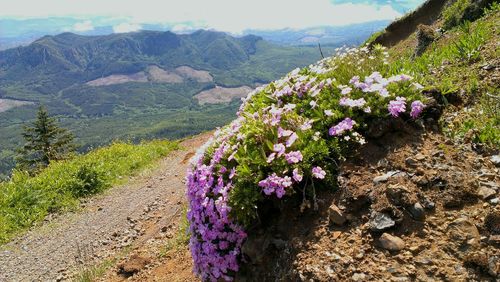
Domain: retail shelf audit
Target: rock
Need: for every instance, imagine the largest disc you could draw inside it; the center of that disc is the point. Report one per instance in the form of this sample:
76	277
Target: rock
411	162
485	193
495	201
359	277
417	211
399	195
385	177
494	266
495	160
380	221
494	239
492	223
428	204
135	264
420	157
391	243
463	231
336	216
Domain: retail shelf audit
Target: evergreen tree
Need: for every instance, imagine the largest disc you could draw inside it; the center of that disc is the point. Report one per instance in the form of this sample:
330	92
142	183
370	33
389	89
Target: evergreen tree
45	142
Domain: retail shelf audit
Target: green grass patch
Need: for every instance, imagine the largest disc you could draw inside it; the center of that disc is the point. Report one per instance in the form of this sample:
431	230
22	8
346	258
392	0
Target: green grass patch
454	13
25	200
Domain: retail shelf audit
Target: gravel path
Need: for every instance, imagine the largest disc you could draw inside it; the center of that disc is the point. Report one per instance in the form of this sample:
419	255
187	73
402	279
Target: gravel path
109	224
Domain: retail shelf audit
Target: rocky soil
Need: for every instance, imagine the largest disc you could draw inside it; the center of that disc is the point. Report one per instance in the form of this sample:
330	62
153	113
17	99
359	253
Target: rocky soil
410	206
116	228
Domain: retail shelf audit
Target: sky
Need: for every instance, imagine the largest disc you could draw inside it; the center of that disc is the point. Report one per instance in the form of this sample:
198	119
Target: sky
225	15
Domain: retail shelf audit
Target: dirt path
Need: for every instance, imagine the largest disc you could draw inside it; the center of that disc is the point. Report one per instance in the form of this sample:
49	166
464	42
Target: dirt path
111	225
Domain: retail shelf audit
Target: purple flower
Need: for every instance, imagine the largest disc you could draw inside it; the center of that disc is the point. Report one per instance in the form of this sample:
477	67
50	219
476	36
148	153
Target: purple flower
275	184
307	125
352	103
345	125
293	157
318	172
284	133
296	175
279	149
397	106
416	108
383	92
292	139
232	173
346	90
271	157
328	113
354	79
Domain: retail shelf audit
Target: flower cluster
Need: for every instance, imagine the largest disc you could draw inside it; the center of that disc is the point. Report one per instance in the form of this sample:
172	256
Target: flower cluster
283	141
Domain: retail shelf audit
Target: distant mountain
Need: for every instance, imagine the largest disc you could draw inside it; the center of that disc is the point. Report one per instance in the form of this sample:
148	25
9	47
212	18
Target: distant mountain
17	32
354	34
67	58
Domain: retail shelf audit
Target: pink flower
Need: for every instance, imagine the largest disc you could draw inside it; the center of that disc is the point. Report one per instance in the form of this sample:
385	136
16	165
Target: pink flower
289	107
307	125
292	139
271	158
284	133
397	106
346	91
293	157
279	148
383	92
416	108
232	173
318	172
296	175
352	103
345	125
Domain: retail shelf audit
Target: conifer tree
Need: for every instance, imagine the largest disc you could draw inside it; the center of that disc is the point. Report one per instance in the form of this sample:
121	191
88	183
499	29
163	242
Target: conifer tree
45	142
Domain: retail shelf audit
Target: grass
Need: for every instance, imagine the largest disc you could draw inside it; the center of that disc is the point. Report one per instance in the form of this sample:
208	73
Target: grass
91	273
454	13
181	237
25	200
453	66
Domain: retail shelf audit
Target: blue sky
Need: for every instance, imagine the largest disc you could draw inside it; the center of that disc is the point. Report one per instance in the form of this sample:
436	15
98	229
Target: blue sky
225	15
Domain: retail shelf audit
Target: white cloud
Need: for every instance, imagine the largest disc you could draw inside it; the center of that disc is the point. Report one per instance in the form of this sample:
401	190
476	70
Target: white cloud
126	27
226	15
83	26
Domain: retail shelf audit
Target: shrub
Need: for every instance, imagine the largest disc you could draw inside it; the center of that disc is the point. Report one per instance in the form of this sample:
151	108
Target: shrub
425	36
468	45
288	138
26	199
452	15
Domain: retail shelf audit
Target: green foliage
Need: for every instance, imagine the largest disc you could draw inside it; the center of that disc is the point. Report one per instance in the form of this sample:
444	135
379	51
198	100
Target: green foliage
45	142
373	37
453	14
493	8
26	199
479	124
468	46
451	66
